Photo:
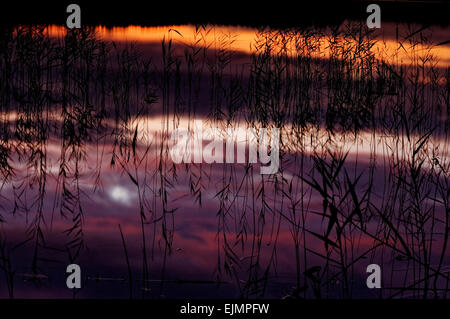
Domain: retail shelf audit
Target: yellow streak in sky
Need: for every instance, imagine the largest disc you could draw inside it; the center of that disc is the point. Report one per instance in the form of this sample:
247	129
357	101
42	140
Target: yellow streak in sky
243	39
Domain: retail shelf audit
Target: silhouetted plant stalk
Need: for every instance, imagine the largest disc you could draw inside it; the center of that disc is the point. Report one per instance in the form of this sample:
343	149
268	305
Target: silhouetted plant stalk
364	152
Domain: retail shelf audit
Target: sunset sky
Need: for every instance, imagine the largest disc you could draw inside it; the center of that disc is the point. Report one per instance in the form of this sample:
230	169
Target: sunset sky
87	117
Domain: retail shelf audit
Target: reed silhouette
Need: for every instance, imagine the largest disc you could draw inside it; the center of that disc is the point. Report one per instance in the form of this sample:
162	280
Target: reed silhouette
364	174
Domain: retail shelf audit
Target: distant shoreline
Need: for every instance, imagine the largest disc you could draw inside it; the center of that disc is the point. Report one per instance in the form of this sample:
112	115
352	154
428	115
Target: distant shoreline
254	13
